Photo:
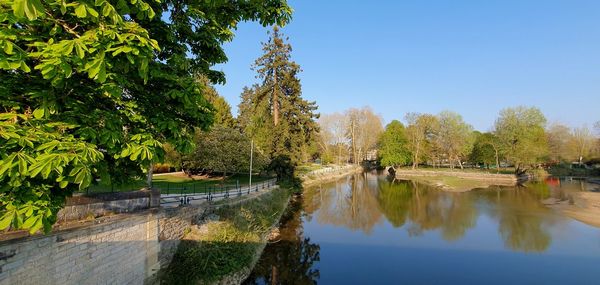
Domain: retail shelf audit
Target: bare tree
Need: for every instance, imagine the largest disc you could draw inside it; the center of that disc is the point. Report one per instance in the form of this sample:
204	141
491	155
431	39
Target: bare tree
370	130
559	137
353	117
363	129
333	139
454	137
582	141
419	131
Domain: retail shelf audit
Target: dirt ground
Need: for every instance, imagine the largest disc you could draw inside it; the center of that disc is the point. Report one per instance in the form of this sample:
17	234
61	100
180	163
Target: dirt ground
582	206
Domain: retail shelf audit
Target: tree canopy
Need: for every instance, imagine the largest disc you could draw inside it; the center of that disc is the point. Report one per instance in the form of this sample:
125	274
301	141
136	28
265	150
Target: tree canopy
393	149
522	136
223	150
454	137
91	89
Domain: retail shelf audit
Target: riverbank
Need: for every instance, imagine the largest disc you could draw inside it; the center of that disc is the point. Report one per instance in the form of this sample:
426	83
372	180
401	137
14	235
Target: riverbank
320	176
581	206
457	181
224	248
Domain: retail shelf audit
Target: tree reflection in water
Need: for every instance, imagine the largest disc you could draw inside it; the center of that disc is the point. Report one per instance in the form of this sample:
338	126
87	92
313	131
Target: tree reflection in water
350	203
418	208
426	209
522	219
292	259
363	202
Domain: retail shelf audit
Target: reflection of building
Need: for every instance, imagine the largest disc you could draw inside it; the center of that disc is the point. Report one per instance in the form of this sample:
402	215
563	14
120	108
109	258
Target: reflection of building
371	155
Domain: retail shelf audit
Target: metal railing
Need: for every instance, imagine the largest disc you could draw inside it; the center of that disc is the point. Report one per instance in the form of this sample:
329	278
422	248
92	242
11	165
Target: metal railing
182	193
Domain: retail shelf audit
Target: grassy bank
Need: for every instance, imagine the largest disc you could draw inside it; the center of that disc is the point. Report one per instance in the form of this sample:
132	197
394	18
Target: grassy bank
453	184
228	245
179	180
492	170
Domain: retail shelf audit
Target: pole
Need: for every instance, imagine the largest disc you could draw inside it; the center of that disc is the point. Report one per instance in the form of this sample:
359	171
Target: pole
251	156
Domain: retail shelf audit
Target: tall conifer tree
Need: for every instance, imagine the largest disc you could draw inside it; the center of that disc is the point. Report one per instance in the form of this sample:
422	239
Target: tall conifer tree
274	112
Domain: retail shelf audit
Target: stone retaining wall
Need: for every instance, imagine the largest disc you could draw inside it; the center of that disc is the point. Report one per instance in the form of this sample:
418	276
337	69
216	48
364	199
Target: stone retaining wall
121	249
127	249
329	176
124	251
95	210
173	225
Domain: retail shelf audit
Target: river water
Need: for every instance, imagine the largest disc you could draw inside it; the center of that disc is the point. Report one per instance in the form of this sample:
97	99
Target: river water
366	229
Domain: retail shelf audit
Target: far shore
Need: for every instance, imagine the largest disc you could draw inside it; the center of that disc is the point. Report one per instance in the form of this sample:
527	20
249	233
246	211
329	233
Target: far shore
457	181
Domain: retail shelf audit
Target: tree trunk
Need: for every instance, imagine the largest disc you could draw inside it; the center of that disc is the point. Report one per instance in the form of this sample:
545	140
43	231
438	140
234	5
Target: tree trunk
275	99
497	161
353	140
149	175
416	157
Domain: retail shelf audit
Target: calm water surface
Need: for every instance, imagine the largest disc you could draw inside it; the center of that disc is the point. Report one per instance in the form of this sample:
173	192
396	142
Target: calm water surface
365	229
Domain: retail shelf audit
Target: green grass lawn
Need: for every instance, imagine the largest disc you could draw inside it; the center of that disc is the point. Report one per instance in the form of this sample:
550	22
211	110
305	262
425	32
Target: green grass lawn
179	183
306	168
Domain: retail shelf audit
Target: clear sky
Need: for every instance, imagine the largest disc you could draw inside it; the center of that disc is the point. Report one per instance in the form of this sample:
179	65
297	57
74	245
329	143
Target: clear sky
473	57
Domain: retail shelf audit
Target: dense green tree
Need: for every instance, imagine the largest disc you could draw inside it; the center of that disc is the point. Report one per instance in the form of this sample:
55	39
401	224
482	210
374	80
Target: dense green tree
92	88
223	150
172	156
485	150
393	146
522	136
222	109
274	113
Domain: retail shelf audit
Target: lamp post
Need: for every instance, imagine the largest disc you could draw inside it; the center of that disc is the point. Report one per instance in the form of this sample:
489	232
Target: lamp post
251	156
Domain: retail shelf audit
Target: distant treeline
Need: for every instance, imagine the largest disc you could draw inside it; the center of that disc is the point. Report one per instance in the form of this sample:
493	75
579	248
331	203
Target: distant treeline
520	138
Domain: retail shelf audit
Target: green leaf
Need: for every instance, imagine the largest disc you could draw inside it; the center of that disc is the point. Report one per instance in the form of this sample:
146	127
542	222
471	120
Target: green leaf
28	8
32	8
24	67
8	47
7	219
46	170
92	12
80	11
7	163
75	170
79	50
63	184
66	69
30	222
22	165
37	226
18	7
135	154
80	177
38	113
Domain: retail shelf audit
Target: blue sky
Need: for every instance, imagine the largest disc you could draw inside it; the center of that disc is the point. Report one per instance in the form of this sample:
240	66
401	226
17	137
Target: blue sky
472	57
